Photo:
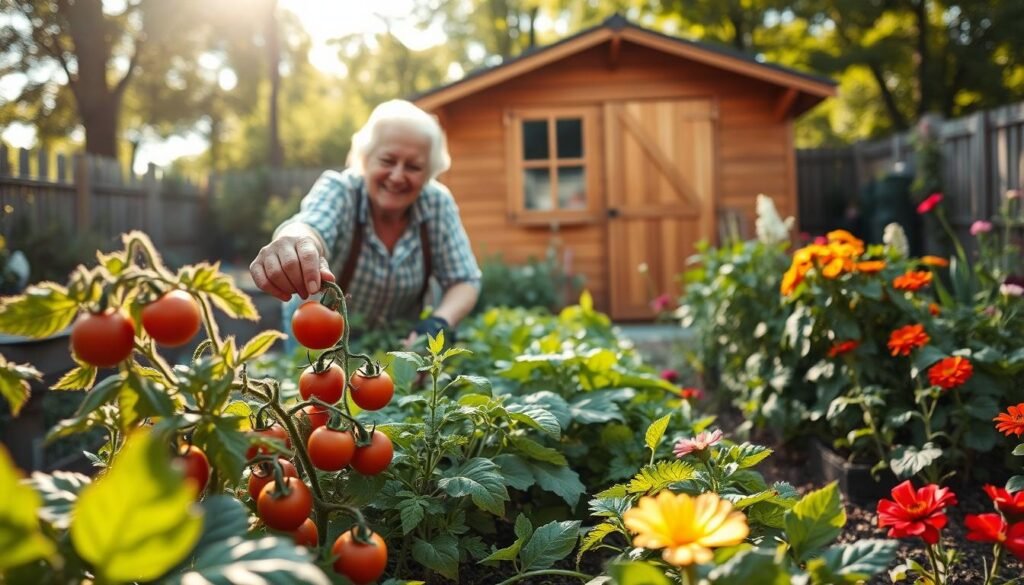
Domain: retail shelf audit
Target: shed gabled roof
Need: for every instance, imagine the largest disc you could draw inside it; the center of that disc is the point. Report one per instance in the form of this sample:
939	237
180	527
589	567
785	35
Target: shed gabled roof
617	29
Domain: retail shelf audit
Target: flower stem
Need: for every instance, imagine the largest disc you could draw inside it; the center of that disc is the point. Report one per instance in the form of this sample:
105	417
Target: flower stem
997	551
933	559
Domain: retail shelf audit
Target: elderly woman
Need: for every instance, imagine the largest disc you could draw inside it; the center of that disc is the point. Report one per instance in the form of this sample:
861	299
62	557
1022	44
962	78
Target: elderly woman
385	224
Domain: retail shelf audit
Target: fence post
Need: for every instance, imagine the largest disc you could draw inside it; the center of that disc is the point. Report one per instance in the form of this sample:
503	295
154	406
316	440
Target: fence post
154	207
5	162
83	193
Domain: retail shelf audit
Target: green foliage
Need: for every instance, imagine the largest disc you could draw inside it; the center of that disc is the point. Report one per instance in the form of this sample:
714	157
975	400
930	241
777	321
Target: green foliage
537	283
21	536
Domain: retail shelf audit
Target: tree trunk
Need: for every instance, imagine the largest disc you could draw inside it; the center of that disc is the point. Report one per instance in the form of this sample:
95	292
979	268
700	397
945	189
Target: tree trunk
276	154
897	117
739	40
924	79
98	105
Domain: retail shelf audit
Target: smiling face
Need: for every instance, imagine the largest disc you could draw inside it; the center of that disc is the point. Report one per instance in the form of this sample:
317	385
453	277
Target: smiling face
396	169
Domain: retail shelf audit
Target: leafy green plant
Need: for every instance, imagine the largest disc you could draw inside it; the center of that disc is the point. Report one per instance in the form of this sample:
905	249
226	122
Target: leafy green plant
536	283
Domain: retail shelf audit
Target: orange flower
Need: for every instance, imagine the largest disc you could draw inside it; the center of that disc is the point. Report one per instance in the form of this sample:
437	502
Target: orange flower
934	309
936	261
871	266
792	279
843	347
835	267
1011	422
907	338
950	372
913	280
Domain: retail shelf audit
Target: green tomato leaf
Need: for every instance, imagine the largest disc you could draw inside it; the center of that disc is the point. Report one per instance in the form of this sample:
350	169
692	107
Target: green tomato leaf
550	543
1015	484
816	520
80	378
241	561
138	520
223	518
523	531
411	511
854	563
594	407
515	471
534	450
259	345
476	382
750	566
224	442
43	310
219	288
547	400
637	573
656	431
441	555
908	460
478	478
60	492
106	391
536	417
560	480
21	538
14	383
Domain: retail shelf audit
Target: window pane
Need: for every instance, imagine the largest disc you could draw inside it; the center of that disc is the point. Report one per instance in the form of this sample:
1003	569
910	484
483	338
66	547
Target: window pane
572	188
535	140
537	188
570	138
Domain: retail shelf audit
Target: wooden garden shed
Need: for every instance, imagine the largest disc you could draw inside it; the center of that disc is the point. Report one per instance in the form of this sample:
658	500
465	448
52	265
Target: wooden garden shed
621	146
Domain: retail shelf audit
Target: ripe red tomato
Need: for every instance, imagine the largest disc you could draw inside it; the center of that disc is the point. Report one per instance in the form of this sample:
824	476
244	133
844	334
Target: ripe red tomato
306	535
274	431
330	450
375	457
317	417
196	467
372	392
285	512
361	563
326	385
173	319
317	327
103	339
261	475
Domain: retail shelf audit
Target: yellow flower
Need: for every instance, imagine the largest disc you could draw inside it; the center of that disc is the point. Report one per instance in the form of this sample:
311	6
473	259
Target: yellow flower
686	527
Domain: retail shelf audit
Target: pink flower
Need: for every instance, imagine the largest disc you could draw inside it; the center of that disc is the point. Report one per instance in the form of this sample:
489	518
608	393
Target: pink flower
1013	194
697	444
929	203
670	375
821	240
1012	290
662	302
981	227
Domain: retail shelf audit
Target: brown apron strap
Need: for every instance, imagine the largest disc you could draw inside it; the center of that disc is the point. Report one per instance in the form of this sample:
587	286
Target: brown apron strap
427	257
354	249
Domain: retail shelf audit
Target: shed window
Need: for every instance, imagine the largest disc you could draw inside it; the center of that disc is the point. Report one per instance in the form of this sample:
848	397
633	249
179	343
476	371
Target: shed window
550	175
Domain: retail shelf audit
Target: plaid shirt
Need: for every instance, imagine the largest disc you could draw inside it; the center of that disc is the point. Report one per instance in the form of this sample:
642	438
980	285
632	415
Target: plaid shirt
386	286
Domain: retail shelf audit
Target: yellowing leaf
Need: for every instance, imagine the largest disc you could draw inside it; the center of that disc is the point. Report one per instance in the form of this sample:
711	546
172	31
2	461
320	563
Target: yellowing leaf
259	345
140	519
14	384
220	288
21	539
42	311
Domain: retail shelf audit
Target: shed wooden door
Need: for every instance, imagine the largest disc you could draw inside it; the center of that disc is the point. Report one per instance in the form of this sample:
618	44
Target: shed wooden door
660	196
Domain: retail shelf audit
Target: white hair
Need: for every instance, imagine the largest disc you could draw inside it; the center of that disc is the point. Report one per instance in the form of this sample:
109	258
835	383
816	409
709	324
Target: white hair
404	113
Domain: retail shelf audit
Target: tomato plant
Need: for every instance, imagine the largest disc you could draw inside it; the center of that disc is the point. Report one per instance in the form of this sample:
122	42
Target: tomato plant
361	562
315	416
316	326
274	432
330	450
327	385
196	466
307	534
285	511
173	319
372	392
103	339
262	474
375	457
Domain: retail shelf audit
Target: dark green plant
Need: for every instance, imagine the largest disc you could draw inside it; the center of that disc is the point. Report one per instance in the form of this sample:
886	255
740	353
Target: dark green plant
537	283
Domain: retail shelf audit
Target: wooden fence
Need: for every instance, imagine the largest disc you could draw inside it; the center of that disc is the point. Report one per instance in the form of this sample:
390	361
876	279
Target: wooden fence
983	158
89	194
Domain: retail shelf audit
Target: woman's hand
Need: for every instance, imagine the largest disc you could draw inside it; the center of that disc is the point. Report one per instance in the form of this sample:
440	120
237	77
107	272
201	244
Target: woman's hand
293	262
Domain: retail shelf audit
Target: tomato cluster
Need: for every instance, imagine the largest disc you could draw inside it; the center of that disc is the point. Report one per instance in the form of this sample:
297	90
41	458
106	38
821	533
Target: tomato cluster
332	450
287	509
372	392
362	563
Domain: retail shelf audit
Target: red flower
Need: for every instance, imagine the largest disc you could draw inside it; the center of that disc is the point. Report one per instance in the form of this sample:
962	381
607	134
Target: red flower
1012	421
907	338
985	527
929	203
670	375
934	309
842	347
1015	540
691	393
912	281
950	372
1012	505
915	512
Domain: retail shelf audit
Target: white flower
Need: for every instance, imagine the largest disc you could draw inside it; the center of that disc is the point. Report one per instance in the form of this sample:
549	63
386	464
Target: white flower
895	239
1012	290
771	229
